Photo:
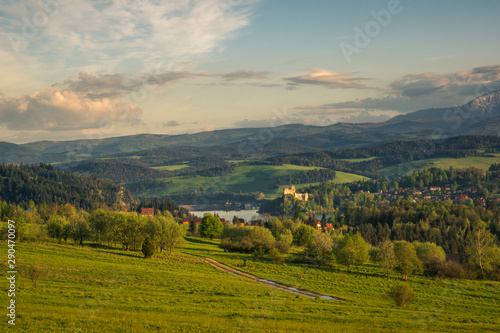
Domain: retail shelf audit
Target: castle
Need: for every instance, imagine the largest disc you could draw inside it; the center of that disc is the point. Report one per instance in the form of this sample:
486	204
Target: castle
298	196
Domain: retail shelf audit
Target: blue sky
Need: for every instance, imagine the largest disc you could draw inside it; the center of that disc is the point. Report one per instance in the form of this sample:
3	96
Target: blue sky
90	69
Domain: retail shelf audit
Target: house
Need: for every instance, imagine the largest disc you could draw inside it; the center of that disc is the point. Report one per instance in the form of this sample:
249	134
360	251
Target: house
462	197
185	220
435	188
148	211
329	226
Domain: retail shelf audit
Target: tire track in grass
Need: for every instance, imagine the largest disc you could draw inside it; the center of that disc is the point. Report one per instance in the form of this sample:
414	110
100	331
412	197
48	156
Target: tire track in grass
306	293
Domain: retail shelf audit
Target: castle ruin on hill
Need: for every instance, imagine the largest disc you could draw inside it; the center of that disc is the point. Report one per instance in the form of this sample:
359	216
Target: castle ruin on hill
296	195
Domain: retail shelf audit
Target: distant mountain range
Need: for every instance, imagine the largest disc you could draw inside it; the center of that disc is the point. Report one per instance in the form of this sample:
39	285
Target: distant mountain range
480	116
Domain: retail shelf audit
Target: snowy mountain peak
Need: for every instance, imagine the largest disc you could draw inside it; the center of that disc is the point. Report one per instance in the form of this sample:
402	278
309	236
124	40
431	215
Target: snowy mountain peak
488	104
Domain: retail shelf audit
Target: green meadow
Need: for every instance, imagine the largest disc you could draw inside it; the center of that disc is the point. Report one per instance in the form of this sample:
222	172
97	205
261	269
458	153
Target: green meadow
171	167
480	162
91	289
251	179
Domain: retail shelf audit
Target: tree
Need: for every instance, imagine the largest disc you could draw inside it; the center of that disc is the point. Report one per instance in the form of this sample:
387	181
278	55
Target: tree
321	246
80	230
262	239
171	234
407	261
387	257
55	227
302	235
352	250
98	221
286	237
148	247
431	255
479	245
211	226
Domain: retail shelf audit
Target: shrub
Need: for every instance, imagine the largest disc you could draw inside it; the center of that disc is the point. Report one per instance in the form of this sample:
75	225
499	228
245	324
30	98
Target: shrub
276	256
35	274
451	269
402	294
148	248
282	247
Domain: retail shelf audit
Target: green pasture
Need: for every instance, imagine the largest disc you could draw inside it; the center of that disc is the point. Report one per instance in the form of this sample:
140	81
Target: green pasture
480	162
91	289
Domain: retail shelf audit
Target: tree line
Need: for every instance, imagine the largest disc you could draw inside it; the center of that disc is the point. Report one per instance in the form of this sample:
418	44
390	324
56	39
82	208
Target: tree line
44	183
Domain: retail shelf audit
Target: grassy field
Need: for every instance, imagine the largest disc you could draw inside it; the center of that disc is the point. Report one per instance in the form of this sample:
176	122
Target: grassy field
356	160
479	162
245	179
251	179
87	289
172	167
342	178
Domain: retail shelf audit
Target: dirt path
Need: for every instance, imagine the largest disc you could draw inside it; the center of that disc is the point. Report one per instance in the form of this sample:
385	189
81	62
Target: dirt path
301	292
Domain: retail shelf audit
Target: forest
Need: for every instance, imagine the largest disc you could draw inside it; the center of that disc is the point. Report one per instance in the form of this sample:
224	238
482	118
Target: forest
44	183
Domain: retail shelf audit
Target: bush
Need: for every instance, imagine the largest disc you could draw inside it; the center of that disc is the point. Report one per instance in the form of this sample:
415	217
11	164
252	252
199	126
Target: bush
148	248
276	256
282	247
402	294
452	269
35	273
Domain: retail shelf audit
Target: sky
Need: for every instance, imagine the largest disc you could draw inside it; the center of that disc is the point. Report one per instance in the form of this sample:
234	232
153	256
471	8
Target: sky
88	69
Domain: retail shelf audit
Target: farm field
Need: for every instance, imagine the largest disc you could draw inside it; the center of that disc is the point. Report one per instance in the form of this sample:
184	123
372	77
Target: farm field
479	162
87	289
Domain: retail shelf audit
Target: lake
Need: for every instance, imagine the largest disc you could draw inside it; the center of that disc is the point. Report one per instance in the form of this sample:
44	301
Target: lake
247	215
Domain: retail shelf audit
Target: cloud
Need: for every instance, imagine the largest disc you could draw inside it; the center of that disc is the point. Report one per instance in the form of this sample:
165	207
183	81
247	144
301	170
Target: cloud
114	85
121	32
327	79
56	109
445	86
171	123
414	92
244	74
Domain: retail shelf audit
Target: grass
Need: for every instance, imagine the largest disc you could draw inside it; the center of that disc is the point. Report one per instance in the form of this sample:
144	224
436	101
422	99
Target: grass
479	162
171	167
88	289
249	179
357	160
245	179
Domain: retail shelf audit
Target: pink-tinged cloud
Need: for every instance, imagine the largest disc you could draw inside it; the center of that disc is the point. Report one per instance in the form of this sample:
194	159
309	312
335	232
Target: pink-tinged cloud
54	109
327	79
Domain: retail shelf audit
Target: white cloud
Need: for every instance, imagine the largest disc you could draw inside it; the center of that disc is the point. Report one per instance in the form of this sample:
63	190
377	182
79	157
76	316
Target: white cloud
124	33
58	110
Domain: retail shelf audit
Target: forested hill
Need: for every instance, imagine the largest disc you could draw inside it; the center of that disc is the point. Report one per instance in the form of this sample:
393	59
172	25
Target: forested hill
44	183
